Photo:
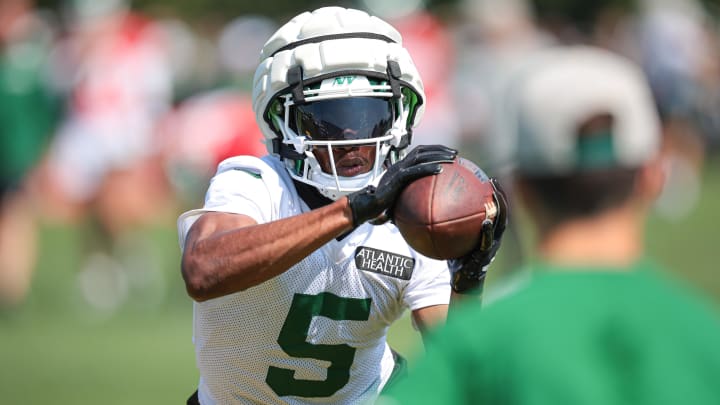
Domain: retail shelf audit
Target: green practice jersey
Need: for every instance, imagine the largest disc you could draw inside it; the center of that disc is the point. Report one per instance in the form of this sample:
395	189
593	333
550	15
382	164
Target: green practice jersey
29	110
595	336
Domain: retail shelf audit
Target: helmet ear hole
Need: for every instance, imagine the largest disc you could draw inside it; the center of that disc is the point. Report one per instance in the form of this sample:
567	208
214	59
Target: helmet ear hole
410	103
275	111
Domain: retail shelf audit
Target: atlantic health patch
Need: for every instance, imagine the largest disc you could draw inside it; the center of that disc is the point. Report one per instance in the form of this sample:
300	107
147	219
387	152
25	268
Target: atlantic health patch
385	263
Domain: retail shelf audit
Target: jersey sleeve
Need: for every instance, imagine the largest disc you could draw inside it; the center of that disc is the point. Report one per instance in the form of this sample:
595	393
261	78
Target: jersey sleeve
239	191
238	187
429	285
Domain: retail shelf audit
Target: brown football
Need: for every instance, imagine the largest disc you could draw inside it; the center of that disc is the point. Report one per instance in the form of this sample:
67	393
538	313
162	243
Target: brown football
440	216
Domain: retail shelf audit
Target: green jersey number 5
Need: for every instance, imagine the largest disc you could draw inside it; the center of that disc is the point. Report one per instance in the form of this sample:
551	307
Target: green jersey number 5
293	340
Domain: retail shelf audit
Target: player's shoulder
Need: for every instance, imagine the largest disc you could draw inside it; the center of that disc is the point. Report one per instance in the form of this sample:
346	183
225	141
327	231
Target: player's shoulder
255	166
267	169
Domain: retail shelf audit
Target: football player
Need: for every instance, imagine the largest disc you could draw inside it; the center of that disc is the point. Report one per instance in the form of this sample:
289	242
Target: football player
296	272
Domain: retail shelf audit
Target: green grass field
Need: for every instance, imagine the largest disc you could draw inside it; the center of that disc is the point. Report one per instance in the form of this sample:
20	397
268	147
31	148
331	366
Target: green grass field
57	349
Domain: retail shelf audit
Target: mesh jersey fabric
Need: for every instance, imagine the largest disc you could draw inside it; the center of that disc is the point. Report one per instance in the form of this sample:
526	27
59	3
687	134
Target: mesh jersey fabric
590	337
316	333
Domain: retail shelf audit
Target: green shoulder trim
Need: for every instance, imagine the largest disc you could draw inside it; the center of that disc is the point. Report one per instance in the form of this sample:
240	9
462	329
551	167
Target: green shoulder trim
250	172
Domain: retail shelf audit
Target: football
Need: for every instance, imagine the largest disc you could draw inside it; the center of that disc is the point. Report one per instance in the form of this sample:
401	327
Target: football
440	216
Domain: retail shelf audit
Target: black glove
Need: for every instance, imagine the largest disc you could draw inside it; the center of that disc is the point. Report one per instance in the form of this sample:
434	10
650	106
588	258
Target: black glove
468	272
375	202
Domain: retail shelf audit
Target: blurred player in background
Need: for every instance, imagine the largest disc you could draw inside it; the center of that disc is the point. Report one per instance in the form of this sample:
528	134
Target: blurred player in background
214	124
594	321
679	49
430	42
29	111
103	169
494	39
295	271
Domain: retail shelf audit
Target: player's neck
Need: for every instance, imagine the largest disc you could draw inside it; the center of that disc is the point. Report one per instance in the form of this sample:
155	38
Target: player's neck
614	239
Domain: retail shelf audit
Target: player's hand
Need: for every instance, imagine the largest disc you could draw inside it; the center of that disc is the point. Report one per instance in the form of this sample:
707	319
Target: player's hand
468	272
373	203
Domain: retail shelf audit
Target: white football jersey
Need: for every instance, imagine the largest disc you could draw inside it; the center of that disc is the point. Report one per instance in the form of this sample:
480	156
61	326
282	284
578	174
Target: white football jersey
315	334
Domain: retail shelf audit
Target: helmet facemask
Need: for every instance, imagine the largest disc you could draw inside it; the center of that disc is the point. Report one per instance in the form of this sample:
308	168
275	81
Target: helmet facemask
364	58
341	112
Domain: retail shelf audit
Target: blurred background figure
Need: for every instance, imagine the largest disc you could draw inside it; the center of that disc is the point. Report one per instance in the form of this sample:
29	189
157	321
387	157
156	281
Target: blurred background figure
674	42
494	38
678	48
204	130
237	48
430	41
217	122
28	113
104	164
593	320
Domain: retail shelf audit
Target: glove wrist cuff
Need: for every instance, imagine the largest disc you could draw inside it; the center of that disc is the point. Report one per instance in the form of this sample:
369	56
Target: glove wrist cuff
360	205
471	292
469	281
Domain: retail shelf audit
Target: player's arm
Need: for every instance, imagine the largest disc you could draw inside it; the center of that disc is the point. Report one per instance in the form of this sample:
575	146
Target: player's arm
428	318
226	253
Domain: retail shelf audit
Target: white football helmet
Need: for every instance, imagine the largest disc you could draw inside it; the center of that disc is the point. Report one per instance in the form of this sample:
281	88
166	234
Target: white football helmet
331	70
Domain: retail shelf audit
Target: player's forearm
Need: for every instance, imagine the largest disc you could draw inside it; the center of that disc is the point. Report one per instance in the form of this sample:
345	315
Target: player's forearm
457	300
233	260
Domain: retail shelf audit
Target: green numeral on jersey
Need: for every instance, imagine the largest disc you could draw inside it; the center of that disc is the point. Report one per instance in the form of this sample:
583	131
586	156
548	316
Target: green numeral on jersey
293	340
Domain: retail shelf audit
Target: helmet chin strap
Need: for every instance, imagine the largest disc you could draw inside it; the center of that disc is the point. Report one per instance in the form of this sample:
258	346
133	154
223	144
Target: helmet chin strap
405	140
286	151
